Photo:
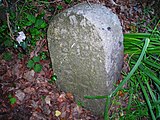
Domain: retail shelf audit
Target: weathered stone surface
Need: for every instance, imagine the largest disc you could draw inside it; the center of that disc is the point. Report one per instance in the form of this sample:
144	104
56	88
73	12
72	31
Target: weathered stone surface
86	50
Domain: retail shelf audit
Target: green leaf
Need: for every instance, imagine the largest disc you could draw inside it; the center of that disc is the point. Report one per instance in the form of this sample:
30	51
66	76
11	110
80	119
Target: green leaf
43	25
137	35
30	64
34	31
9	96
24	45
7	56
68	1
40	24
41	15
3	28
50	81
134	68
8	43
20	55
43	56
80	103
38	68
150	74
147	98
12	100
31	18
33	42
36	58
59	7
28	23
54	78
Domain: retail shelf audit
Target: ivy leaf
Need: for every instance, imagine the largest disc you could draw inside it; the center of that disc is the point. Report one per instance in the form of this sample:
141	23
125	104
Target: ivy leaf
31	18
12	100
7	56
43	25
40	24
43	56
30	64
38	68
8	43
36	58
20	55
28	23
59	7
34	31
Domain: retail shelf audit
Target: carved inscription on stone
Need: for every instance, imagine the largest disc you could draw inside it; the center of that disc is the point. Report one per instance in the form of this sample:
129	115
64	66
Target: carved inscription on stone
86	49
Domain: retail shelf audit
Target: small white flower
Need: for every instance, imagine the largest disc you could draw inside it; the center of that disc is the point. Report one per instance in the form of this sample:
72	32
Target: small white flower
21	37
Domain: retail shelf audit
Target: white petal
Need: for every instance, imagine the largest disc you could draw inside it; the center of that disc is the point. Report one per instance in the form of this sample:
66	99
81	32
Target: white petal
21	37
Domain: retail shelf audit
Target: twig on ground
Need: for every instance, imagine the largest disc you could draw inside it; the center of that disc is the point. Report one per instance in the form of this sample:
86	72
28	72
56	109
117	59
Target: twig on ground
9	27
114	3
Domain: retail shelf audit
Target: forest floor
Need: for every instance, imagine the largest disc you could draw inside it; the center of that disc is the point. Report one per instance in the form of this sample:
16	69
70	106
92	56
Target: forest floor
36	98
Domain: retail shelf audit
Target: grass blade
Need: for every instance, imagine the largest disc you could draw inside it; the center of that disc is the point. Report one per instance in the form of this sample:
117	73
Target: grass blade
137	35
152	63
95	97
149	73
134	68
130	99
147	99
106	113
154	98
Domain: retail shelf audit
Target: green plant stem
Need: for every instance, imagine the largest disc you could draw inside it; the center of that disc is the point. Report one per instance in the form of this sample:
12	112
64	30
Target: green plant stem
134	68
106	113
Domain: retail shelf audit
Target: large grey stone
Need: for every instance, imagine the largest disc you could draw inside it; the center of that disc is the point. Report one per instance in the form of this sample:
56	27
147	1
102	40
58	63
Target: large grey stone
86	50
